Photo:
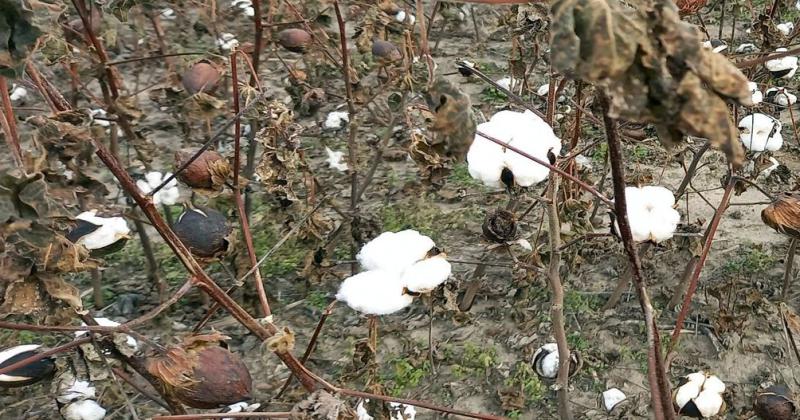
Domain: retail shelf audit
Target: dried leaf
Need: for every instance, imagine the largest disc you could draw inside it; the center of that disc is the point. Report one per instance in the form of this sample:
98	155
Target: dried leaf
321	405
17	33
22	298
59	289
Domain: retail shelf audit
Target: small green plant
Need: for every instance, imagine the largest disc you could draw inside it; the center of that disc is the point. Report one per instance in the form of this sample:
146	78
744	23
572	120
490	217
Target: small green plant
748	262
492	95
317	299
405	374
526	379
576	341
576	302
460	176
599	154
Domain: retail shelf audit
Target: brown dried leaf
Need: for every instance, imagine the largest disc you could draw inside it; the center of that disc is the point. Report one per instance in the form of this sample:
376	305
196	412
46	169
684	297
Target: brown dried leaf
59	289
22	298
321	405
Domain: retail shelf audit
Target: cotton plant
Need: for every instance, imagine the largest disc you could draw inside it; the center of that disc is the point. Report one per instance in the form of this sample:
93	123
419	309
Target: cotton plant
760	133
700	395
651	213
495	165
168	196
398	265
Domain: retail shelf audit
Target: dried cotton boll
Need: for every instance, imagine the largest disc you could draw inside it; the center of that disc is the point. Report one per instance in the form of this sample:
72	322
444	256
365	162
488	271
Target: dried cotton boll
780	96
775	403
426	275
26	375
100	235
203	76
168	195
385	52
760	132
756	95
294	39
204	231
200	173
375	292
499	226
524	130
782	68
394	251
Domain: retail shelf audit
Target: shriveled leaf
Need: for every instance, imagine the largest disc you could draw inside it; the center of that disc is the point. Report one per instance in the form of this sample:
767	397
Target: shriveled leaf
59	289
321	405
17	34
22	298
791	324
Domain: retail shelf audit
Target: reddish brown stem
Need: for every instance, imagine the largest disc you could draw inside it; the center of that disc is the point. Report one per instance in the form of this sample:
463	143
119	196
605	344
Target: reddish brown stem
9	123
237	193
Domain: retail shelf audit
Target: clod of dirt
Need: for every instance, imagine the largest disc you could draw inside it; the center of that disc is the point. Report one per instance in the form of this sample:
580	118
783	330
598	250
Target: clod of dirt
385	52
294	39
201	373
200	173
775	403
500	226
204	231
203	76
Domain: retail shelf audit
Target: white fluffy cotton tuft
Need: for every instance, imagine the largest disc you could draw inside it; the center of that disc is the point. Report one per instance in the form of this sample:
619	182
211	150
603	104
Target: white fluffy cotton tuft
704	390
426	275
375	292
784	67
394	251
168	195
111	230
760	132
83	410
612	397
336	120
524	130
335	160
756	95
650	213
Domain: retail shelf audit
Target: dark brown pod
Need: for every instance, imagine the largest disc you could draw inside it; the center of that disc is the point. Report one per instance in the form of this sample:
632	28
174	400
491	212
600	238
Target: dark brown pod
775	403
500	226
198	174
203	76
204	231
294	39
385	52
201	373
783	214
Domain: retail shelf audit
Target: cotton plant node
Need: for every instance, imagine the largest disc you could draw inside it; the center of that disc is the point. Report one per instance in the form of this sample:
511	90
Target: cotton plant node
653	67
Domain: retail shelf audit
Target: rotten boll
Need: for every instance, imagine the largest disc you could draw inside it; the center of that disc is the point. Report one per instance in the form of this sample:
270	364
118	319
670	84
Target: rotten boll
204	231
294	39
500	226
776	402
203	76
200	173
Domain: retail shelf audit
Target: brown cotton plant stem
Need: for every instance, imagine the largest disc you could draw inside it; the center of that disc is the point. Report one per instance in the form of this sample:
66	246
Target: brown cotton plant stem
787	274
661	399
140	389
255	414
9	123
624	281
237	193
152	264
586	187
557	300
709	240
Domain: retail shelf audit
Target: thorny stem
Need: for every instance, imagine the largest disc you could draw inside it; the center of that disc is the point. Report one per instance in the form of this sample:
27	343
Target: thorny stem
237	192
712	229
659	386
352	147
556	169
557	300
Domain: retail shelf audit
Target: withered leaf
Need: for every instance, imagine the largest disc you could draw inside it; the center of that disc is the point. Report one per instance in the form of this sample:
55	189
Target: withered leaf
22	298
321	405
59	289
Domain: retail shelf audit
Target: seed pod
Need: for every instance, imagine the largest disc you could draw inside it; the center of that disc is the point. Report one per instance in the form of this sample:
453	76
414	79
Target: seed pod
294	39
545	361
385	52
500	226
199	173
203	76
775	403
783	214
204	231
26	375
202	373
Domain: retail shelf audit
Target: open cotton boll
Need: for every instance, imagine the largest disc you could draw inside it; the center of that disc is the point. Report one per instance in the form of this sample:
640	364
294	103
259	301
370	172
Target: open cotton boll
507	83
403	17
168	195
83	410
656	196
760	132
543	90
715	45
402	411
17	93
523	130
362	413
549	364
708	403
612	397
747	47
335	160
698	377
427	274
780	96
686	393
756	95
785	28
664	221
227	41
782	68
375	292
394	250
714	384
111	230
650	213
105	322
336	120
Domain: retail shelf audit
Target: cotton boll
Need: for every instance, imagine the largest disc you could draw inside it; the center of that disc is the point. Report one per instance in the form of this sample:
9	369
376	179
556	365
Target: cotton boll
394	251
714	384
756	95
785	28
686	393
549	365
640	224
111	230
83	410
18	93
708	403
612	397
362	413
760	132
746	48
375	292
543	90
782	68
507	83
336	120
404	17
780	96
485	161
658	196
403	411
427	274
664	222
698	377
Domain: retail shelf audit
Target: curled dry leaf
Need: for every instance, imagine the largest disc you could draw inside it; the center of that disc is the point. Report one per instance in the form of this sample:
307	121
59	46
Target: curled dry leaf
653	67
282	164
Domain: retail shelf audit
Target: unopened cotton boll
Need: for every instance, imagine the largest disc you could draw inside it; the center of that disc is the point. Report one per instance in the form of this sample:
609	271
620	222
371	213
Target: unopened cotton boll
168	195
756	95
782	68
375	292
394	251
336	120
83	410
760	132
426	275
523	130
